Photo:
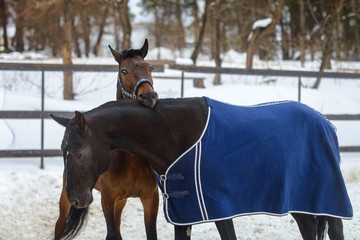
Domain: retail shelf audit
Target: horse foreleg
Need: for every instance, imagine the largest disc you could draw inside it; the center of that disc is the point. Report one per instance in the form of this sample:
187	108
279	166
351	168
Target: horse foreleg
308	225
151	205
112	213
182	232
64	207
226	229
335	228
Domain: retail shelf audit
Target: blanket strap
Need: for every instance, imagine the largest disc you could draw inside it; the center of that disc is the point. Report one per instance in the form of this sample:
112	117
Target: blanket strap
176	194
172	177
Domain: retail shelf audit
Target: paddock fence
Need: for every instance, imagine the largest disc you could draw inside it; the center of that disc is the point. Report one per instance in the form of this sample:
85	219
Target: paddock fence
158	67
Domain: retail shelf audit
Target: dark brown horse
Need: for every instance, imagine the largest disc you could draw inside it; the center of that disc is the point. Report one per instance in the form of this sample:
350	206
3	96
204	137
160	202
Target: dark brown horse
128	175
161	135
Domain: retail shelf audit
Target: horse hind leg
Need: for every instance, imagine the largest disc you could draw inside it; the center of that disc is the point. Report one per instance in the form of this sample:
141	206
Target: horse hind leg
182	232
226	229
308	225
151	205
335	228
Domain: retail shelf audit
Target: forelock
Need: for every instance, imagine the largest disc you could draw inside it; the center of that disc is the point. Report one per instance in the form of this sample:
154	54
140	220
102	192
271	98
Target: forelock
131	53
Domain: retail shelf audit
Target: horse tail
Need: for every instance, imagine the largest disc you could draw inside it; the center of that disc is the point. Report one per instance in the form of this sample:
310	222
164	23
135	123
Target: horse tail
322	220
76	220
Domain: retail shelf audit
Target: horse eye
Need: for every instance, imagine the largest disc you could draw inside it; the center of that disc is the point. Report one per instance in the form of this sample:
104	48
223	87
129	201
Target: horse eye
124	71
151	69
77	155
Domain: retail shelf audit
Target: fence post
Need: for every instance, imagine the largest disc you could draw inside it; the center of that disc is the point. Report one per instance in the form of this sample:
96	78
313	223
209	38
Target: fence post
299	89
42	118
182	83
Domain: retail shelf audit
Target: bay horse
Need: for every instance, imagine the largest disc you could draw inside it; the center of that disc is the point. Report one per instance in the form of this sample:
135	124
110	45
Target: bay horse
281	158
128	175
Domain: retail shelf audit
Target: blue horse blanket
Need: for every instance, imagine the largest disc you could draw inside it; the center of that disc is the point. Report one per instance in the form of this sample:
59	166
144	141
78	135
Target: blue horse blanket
274	158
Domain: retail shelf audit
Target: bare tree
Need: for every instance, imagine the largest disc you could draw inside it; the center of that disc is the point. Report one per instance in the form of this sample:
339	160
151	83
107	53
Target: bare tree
260	33
334	8
102	25
302	32
217	79
67	59
18	40
4	21
180	35
122	8
200	38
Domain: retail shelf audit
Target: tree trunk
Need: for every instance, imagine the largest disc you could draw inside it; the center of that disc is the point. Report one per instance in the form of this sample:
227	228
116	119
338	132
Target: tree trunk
217	79
116	30
285	41
196	23
326	51
180	28
251	49
18	41
198	43
75	39
86	31
3	8
125	23
67	59
257	35
356	51
200	38
356	45
302	33
157	31
101	31
328	35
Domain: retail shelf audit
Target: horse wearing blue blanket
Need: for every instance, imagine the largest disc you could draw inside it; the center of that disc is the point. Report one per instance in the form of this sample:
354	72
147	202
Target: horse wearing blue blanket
215	161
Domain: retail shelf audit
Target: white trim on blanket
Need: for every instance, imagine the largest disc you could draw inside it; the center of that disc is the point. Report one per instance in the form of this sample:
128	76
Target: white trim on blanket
198	158
197	175
259	213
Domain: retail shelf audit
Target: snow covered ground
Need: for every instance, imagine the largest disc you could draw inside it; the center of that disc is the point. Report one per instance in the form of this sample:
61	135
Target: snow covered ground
29	196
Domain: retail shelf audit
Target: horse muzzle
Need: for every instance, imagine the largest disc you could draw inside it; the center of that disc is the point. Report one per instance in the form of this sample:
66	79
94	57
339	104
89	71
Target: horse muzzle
148	99
81	200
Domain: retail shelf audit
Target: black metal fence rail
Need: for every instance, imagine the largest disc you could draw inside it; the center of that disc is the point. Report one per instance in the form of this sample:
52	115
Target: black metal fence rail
158	66
264	72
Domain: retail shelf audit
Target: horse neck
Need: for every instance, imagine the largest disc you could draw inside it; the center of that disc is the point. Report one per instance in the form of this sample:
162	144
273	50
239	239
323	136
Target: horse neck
160	134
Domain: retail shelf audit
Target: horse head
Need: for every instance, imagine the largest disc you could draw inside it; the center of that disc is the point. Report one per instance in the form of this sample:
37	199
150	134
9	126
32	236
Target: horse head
86	157
134	78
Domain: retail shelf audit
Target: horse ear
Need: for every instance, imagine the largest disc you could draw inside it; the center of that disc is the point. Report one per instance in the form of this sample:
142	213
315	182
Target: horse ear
144	49
80	120
118	56
60	120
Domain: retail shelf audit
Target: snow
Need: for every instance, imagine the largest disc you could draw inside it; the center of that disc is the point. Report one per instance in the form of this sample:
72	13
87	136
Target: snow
262	23
29	195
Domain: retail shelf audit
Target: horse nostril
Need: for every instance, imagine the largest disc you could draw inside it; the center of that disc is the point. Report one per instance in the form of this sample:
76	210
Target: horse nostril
74	202
154	95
